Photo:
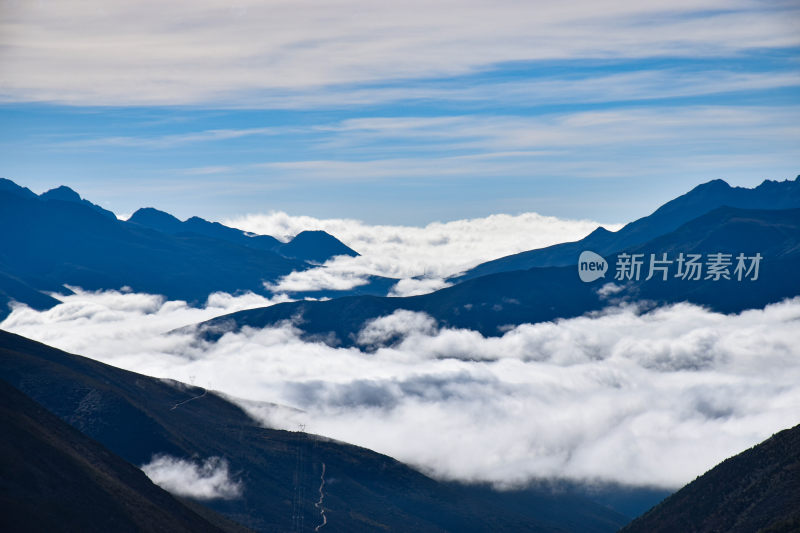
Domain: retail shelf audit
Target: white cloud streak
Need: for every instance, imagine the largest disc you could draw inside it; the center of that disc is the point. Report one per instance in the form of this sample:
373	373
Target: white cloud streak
206	480
642	398
635	142
479	139
599	128
541	91
115	52
171	141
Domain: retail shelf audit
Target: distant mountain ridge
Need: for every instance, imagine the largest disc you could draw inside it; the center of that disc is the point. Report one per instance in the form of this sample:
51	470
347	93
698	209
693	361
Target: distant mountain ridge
490	304
65	194
700	200
315	246
58	238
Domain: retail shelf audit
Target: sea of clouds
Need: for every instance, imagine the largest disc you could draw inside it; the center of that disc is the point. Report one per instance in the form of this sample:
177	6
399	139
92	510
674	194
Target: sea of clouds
635	397
422	258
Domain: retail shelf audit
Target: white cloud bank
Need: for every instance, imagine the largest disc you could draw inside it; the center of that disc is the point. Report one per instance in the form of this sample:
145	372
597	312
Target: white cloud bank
207	480
645	398
420	256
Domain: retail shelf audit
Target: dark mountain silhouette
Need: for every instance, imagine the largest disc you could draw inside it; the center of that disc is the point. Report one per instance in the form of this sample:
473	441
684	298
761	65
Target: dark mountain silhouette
316	246
136	417
47	243
313	246
54	478
58	243
700	200
755	491
152	218
490	303
773	234
65	194
9	186
58	238
16	290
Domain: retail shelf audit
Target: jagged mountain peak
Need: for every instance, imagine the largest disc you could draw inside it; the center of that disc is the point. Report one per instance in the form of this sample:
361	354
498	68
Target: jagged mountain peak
155	219
702	199
316	245
600	230
63	193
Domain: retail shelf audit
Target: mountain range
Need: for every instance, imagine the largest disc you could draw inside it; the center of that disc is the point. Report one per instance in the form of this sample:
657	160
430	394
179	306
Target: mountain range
56	240
492	303
701	200
311	246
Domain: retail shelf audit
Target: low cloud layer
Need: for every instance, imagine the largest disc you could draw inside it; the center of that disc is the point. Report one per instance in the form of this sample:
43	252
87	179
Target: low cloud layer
651	398
420	256
206	480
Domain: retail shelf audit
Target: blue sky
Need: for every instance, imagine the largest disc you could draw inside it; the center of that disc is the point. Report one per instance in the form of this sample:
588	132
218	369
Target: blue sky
397	114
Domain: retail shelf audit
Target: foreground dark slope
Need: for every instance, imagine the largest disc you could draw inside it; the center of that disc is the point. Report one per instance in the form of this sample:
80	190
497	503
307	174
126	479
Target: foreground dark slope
489	303
54	478
667	218
136	417
755	491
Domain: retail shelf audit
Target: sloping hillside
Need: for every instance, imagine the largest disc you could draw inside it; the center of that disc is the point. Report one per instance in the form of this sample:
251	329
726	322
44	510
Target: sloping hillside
755	491
56	479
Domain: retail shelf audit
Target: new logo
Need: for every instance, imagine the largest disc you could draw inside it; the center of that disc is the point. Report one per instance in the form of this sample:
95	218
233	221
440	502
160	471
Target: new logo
591	266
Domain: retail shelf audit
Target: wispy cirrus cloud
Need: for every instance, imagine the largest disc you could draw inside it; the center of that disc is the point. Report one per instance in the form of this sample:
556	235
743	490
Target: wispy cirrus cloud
187	53
639	125
169	141
581	86
570	143
657	142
